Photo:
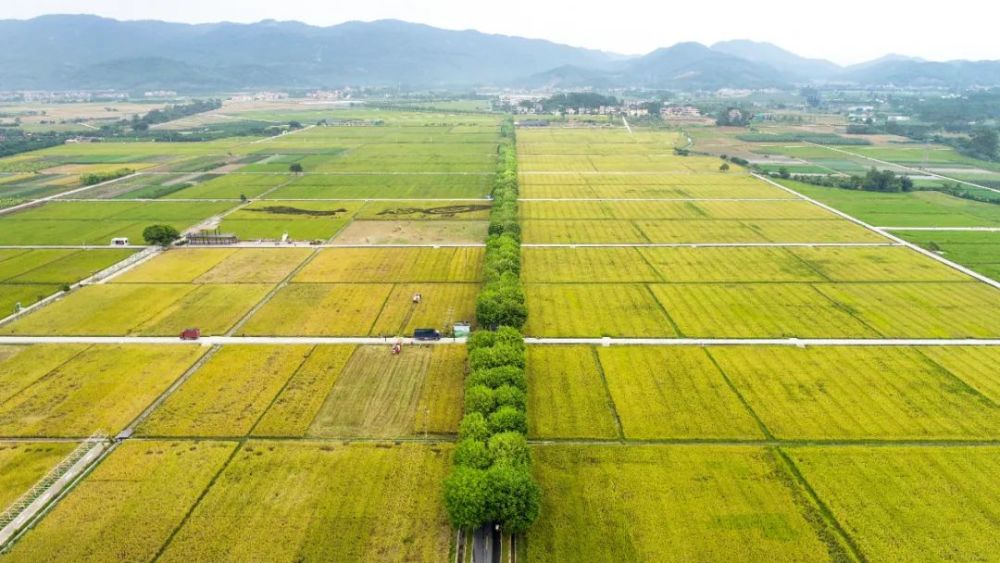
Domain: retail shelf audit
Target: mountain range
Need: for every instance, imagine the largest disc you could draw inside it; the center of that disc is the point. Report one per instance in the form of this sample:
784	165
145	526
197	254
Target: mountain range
90	52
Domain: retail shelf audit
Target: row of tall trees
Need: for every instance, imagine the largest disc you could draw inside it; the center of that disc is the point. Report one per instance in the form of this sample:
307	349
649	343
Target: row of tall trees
492	480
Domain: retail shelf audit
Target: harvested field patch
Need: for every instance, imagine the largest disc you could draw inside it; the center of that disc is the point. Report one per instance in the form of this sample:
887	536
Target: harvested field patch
413	232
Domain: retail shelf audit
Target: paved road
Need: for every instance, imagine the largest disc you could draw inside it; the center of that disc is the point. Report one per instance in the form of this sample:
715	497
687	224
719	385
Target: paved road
709	244
219	340
375	340
798	342
563	199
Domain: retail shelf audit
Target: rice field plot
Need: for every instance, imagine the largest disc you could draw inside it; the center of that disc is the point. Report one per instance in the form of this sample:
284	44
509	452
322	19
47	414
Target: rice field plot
441	306
303	501
228	394
728	265
978	367
910	209
703	231
308	309
76	222
425	211
22	464
580	232
218	266
412	232
650	186
663	393
232	186
759	310
910	503
594	265
45	266
979	251
594	310
566	394
394	265
378	394
922	310
143	309
102	388
391	186
876	264
21	366
300	220
672	210
673	503
841	393
388	158
302	396
177	265
129	506
23	294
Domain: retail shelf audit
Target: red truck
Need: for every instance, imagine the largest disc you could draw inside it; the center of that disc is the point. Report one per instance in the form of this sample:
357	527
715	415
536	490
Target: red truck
191	334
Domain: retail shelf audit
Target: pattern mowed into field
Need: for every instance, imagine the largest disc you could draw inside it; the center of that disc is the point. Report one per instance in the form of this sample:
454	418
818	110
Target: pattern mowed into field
22	464
378	394
910	503
857	393
672	503
566	394
302	501
129	506
143	309
103	388
228	394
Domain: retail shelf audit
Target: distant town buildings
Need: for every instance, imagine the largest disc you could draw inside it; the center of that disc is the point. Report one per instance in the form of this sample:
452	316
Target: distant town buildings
260	97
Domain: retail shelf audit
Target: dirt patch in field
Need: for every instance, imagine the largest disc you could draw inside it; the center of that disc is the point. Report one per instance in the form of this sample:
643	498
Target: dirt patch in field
288	210
443	211
412	232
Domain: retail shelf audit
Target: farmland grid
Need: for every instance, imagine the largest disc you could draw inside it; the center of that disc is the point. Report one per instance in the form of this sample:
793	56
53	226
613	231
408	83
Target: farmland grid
821	523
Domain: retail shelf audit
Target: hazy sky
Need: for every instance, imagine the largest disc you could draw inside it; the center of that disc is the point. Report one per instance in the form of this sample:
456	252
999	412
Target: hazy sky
845	31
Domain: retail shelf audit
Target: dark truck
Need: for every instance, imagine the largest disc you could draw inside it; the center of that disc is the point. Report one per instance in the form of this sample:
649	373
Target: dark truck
424	334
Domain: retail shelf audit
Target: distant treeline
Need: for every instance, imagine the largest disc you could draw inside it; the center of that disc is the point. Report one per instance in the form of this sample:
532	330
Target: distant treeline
14	141
171	113
589	100
873	181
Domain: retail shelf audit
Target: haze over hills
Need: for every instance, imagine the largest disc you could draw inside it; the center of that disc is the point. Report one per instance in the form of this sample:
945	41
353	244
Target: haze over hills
78	51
